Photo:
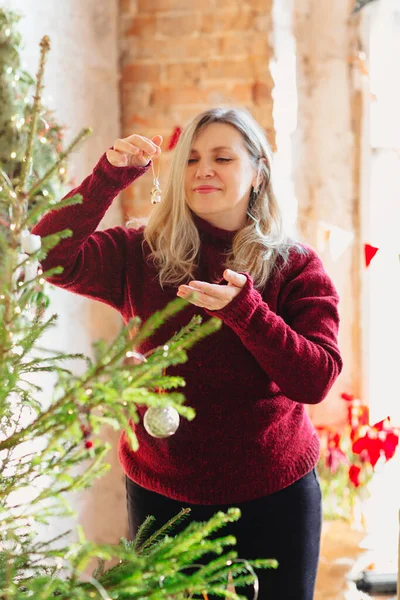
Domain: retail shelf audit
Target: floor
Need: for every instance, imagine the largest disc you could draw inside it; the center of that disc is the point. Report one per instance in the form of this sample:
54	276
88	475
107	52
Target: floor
346	551
343	553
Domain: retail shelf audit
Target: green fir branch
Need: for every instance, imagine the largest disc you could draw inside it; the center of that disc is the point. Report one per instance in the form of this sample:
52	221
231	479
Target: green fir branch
82	135
142	533
154	539
26	164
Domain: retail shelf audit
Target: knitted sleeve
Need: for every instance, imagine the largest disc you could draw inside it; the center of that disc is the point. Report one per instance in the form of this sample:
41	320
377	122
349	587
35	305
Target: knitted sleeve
298	350
93	261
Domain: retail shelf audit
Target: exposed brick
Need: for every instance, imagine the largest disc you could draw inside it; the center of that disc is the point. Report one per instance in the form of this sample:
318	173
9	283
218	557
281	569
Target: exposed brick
264	5
177	25
257	5
207	94
136	97
141	25
173	5
181	57
139	72
261	92
173	49
236	18
125	6
244	44
242	92
178	73
164	95
181	115
143	121
229	69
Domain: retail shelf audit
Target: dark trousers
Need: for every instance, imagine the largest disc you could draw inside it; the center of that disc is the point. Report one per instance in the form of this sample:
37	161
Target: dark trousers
285	526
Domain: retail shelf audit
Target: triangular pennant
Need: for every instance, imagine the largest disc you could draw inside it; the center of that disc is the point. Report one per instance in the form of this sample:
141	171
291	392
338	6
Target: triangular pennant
369	252
339	241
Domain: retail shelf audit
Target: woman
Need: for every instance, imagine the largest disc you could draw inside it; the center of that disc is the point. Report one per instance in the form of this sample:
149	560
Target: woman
218	233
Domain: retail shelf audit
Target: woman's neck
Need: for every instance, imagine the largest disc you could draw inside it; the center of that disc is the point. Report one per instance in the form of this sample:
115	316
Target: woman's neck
226	221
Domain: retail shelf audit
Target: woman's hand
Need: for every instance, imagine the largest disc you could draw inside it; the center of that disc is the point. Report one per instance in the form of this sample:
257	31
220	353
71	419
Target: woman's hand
212	295
134	151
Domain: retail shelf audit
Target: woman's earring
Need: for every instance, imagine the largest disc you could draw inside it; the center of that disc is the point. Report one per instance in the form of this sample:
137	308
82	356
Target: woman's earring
253	197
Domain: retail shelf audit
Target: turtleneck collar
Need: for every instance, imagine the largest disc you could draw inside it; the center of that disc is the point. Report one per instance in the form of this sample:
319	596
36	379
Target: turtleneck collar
213	233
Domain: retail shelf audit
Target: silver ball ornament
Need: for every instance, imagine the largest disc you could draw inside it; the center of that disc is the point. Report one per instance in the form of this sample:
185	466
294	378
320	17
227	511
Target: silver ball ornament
161	422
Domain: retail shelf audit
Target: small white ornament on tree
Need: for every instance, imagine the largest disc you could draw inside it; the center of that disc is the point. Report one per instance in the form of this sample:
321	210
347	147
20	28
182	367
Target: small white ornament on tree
161	422
30	242
31	270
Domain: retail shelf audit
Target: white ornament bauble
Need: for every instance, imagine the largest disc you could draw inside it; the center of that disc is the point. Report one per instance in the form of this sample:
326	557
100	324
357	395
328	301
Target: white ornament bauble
30	242
19	270
161	422
31	270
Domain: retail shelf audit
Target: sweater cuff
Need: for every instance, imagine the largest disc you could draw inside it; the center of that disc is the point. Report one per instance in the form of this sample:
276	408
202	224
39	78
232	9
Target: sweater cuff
237	313
119	177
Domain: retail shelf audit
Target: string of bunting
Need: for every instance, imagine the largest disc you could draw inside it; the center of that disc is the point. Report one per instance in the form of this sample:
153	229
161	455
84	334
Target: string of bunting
337	240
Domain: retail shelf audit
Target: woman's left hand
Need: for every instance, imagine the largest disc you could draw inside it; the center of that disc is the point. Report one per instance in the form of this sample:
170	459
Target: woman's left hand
212	295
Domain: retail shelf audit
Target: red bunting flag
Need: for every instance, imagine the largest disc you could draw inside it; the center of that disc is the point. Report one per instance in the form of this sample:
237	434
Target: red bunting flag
173	140
370	252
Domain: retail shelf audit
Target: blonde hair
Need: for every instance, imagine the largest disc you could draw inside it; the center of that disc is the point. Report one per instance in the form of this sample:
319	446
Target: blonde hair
171	233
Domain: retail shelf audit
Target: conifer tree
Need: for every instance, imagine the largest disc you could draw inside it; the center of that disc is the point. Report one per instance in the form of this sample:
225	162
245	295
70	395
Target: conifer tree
50	449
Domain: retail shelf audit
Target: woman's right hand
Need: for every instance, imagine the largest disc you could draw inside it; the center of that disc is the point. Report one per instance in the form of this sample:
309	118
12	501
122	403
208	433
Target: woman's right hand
134	151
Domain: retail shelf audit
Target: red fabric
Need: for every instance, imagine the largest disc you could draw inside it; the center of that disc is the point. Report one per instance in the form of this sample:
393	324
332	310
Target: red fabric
249	382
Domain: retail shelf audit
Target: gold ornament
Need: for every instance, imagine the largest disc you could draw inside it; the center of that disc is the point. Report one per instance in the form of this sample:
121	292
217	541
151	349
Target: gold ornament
155	193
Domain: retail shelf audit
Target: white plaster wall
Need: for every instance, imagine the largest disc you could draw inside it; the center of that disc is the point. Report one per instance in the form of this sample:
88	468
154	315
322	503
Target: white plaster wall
81	85
324	164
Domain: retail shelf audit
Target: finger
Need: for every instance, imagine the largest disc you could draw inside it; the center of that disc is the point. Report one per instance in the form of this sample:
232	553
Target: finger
210	289
158	140
143	143
121	156
124	146
202	301
116	158
236	279
189	291
189	294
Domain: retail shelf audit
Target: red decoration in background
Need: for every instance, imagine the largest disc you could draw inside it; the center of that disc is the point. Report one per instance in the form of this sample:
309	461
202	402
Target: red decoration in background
377	440
354	475
360	445
369	252
173	140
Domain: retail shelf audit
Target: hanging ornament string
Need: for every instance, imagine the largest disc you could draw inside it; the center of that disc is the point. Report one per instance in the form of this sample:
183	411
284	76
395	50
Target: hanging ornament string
155	193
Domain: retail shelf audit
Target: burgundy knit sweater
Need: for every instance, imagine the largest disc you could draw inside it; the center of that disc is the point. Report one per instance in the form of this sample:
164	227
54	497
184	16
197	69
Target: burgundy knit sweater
248	382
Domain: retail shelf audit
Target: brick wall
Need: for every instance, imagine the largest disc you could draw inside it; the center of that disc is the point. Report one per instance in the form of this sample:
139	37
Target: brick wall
179	57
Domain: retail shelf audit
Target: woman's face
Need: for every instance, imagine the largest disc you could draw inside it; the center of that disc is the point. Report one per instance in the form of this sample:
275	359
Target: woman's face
219	177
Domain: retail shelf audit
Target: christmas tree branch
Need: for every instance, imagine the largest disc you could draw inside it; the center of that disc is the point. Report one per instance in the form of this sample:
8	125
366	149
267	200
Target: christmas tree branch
26	165
84	133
